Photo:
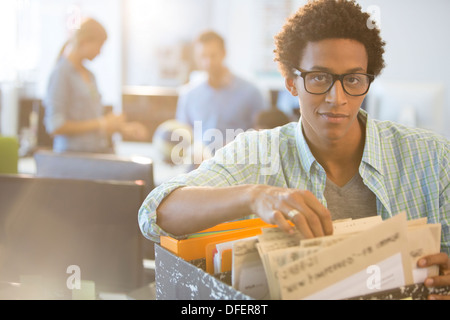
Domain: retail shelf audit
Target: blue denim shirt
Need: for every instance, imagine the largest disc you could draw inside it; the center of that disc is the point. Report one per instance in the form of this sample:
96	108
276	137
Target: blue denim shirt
70	98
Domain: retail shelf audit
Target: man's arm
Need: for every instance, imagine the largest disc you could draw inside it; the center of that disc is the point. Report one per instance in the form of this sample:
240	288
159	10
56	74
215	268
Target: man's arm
191	209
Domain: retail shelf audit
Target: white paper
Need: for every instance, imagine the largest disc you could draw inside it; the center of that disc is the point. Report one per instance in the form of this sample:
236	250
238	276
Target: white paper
390	272
252	281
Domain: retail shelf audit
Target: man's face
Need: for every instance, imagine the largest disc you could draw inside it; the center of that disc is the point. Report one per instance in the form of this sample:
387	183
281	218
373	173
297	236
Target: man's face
331	116
210	56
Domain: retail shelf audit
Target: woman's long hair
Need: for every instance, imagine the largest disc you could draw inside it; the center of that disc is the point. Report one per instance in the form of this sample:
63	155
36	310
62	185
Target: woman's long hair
90	30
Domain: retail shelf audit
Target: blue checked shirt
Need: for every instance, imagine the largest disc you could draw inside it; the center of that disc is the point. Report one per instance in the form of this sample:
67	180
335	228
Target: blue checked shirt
406	168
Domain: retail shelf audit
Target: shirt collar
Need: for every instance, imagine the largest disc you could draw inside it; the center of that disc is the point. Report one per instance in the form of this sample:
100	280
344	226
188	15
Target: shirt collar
372	148
306	157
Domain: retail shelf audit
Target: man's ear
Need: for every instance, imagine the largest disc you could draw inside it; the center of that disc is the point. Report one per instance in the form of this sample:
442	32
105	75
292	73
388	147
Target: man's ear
290	86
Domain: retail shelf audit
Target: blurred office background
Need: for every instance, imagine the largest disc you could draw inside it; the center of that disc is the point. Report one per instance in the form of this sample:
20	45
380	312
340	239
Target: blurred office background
148	54
148	57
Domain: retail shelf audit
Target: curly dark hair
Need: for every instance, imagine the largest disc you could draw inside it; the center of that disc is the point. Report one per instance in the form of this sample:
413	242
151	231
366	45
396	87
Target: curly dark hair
325	19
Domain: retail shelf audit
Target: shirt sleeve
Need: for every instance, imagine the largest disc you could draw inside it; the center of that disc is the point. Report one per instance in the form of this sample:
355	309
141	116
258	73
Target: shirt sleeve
56	100
444	201
205	175
230	165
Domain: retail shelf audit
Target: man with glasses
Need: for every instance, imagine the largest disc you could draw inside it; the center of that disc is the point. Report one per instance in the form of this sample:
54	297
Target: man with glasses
318	82
336	162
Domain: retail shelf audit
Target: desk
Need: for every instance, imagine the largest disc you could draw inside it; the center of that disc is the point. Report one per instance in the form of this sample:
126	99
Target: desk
27	165
14	291
162	171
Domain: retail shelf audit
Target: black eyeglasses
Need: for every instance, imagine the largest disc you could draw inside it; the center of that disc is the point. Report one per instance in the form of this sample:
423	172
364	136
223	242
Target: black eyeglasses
319	82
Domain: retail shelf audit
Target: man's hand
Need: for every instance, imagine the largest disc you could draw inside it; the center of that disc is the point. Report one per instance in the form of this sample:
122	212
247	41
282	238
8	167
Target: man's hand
443	279
278	205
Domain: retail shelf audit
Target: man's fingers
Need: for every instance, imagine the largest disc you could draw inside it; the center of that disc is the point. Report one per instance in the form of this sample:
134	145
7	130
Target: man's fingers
438	297
316	215
440	259
302	226
322	212
437	281
279	219
310	217
311	221
304	220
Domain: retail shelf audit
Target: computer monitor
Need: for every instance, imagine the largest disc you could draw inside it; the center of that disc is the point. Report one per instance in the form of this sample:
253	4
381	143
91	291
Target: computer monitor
48	226
91	166
150	106
418	105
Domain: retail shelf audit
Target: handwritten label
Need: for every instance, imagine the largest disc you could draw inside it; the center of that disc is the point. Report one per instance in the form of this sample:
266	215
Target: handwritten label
303	277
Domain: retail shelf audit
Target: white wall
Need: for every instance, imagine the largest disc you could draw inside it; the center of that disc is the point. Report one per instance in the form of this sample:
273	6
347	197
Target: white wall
107	67
35	31
8	98
249	27
416	33
153	33
141	31
417	47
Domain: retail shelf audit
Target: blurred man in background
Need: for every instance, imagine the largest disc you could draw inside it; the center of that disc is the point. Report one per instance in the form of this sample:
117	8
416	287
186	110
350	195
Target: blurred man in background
223	101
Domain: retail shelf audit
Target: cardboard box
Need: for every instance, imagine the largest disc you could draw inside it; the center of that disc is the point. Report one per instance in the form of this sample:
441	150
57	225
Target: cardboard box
178	279
182	268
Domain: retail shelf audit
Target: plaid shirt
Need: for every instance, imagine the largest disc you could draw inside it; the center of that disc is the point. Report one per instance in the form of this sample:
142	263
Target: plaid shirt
406	168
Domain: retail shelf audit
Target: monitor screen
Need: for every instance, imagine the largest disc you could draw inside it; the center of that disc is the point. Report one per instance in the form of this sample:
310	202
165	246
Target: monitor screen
89	166
51	226
418	105
150	106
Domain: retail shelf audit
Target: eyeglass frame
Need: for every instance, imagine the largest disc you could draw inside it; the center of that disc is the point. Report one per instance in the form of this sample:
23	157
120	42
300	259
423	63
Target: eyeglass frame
299	73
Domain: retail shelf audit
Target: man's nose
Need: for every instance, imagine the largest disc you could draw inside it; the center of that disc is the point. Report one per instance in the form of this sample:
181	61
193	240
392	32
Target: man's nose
336	95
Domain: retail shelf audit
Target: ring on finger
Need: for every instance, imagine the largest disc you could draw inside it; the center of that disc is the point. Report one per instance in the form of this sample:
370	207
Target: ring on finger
291	214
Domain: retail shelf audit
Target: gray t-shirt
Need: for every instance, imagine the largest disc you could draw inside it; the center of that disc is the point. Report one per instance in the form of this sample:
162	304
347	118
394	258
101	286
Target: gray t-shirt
229	109
354	200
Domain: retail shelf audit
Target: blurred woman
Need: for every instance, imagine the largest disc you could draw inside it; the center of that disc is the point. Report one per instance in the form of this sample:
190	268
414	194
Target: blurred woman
74	114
